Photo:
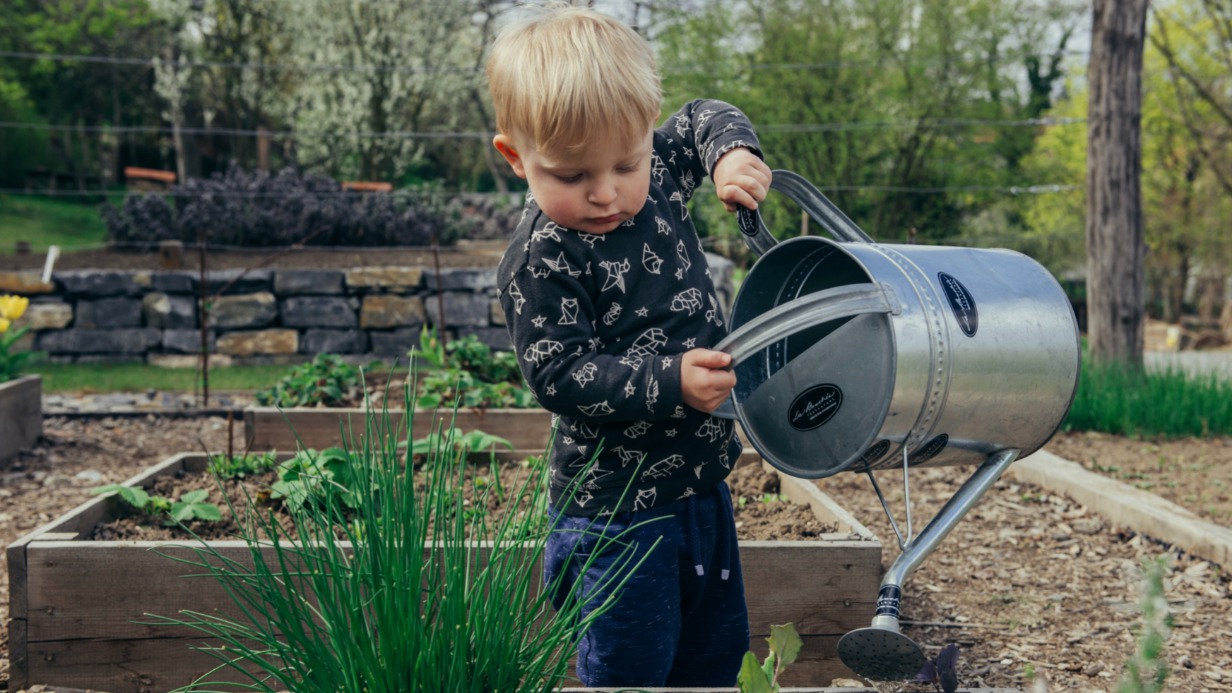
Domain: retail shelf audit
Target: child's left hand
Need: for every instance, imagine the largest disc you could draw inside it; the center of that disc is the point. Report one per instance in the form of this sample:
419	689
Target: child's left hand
741	179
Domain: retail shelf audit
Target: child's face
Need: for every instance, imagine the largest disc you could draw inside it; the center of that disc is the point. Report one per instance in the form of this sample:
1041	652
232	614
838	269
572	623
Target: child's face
594	191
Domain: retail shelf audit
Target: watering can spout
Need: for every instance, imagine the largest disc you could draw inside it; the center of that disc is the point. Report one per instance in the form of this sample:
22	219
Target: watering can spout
880	652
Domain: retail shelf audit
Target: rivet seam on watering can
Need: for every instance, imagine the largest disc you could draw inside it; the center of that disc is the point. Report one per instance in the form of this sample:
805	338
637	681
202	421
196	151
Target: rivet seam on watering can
961	302
814	407
937	334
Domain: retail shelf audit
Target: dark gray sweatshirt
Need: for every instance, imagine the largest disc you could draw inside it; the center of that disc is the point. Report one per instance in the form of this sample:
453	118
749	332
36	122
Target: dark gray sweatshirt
599	323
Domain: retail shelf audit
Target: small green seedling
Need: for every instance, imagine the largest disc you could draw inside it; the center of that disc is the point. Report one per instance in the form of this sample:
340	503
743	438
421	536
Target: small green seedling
240	466
785	646
190	506
313	476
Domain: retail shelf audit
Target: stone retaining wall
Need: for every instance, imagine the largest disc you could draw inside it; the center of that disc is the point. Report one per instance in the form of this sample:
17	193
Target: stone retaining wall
262	316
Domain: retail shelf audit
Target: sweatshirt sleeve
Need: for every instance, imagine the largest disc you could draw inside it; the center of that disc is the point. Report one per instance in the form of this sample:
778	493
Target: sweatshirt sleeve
699	134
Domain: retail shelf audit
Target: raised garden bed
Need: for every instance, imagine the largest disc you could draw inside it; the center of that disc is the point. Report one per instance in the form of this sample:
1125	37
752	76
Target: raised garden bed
21	414
76	605
270	428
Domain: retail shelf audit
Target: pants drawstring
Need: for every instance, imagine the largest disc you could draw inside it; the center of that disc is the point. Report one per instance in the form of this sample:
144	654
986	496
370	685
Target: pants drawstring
725	546
724	550
695	541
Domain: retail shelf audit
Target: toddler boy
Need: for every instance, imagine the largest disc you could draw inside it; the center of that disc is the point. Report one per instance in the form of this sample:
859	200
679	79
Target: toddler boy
611	309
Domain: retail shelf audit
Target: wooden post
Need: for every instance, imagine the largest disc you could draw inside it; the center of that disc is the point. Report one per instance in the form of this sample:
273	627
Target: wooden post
171	254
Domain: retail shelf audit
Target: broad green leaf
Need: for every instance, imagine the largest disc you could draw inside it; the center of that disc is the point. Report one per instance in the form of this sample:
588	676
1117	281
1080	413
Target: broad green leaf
194	496
785	642
751	678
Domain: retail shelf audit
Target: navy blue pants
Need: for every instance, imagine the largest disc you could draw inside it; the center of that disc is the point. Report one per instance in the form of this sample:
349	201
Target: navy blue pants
681	618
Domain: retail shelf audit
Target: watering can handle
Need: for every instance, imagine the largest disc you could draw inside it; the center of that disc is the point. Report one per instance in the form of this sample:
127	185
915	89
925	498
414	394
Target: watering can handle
758	238
807	311
800	314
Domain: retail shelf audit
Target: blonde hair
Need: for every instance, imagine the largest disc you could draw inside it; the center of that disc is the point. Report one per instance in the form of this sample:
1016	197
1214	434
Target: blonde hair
566	73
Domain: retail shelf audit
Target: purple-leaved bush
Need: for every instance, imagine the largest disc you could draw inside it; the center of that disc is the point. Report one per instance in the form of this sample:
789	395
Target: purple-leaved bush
254	209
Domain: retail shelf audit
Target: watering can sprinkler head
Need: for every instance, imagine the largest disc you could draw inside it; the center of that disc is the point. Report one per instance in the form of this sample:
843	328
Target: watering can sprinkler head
880	652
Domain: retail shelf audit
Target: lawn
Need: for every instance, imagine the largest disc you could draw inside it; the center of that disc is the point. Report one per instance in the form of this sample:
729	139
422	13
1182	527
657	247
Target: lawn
44	222
136	377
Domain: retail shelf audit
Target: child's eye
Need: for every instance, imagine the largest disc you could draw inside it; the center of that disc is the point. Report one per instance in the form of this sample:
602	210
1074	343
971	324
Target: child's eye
570	179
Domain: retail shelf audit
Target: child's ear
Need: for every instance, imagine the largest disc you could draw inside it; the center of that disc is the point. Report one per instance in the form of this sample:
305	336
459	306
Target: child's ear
504	145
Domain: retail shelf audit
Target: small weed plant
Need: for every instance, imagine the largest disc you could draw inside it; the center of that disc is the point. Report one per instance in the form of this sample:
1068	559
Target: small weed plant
241	466
1146	671
398	598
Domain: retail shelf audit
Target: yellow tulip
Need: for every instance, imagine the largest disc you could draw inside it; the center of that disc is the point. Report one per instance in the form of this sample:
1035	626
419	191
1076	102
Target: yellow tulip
4	325
12	307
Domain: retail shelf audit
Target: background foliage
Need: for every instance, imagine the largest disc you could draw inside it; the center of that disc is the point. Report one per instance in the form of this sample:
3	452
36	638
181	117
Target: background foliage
959	122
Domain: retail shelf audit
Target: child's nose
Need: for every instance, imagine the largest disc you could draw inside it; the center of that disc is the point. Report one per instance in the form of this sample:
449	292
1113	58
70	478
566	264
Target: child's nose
603	192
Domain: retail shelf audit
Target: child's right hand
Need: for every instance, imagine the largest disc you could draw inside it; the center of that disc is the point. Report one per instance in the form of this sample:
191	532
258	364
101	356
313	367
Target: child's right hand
705	380
741	179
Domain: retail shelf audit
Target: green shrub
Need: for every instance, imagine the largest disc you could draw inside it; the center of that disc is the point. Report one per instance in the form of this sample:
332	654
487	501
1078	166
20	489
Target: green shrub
471	373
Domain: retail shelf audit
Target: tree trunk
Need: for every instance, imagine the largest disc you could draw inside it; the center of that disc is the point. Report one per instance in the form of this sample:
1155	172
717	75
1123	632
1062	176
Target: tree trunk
1115	248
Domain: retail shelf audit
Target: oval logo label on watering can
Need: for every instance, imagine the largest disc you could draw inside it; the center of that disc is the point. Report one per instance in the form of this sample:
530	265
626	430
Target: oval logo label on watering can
930	449
961	303
814	407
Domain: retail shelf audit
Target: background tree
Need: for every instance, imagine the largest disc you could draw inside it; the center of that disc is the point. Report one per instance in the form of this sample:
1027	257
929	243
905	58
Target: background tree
1193	44
913	116
1115	247
79	96
369	69
247	87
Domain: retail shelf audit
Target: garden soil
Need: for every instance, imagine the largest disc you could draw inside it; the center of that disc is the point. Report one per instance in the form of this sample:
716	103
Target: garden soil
1035	589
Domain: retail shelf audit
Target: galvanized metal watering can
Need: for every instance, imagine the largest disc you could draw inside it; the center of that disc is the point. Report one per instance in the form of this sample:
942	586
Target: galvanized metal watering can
856	356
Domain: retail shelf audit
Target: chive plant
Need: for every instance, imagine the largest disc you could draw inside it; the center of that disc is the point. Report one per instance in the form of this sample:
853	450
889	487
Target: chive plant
407	593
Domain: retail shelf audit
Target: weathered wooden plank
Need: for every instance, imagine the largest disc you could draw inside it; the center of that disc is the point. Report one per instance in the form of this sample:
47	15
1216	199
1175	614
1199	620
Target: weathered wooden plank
21	414
289	429
120	666
823	587
144	666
